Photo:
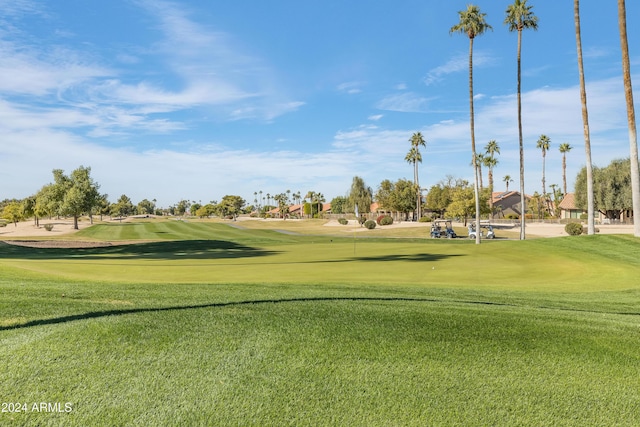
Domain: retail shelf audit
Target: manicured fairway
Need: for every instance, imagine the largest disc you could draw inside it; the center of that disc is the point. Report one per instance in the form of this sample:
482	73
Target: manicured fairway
254	327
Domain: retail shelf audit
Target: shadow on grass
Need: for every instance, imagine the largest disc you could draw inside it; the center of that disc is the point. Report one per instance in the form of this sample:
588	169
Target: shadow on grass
423	257
107	313
167	250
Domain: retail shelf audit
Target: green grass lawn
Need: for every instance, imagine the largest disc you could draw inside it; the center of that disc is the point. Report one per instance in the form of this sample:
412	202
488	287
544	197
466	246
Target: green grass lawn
205	324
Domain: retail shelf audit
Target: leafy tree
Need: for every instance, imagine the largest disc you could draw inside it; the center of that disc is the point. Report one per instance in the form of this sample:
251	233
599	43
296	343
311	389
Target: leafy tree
397	196
81	196
360	195
74	195
557	196
147	207
13	212
564	149
231	205
47	203
472	23
123	207
194	207
591	209
206	210
612	186
414	156
462	203
103	205
520	17
439	198
182	207
631	115
338	204
537	205
29	209
403	196
383	195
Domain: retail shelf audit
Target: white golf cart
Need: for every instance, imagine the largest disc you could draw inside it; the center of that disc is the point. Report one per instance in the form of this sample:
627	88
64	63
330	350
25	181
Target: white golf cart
486	230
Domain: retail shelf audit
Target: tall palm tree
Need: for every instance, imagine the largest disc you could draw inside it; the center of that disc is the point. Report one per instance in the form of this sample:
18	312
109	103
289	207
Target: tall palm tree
507	179
543	144
414	156
591	226
520	17
472	23
631	117
491	162
310	195
492	148
320	200
564	149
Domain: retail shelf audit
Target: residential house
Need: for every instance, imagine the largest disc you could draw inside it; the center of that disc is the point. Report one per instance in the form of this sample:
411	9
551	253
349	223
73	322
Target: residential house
568	210
507	203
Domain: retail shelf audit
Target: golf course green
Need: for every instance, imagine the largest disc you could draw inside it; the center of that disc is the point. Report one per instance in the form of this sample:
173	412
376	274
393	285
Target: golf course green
211	323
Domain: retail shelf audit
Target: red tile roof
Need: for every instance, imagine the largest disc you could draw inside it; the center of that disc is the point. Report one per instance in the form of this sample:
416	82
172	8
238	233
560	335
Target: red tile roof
568	202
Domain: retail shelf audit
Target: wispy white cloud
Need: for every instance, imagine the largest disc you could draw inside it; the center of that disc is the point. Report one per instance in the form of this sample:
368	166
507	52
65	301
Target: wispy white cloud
456	64
368	150
407	102
350	88
376	117
76	89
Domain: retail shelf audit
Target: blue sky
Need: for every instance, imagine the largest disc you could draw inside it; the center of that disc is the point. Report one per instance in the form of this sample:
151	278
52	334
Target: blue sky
198	99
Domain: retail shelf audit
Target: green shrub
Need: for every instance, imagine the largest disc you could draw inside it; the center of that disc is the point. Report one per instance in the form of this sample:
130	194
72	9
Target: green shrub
48	227
370	224
384	220
425	219
343	221
573	229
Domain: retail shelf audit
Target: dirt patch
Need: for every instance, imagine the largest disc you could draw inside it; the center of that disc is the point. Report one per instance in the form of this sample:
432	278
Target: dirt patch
58	244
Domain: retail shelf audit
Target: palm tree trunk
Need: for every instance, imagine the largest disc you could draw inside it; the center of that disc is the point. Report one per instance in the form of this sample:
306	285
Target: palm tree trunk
473	143
591	228
523	207
631	117
544	186
490	176
417	184
564	174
